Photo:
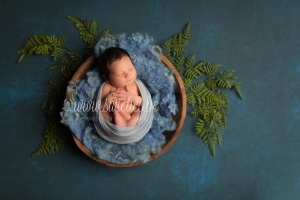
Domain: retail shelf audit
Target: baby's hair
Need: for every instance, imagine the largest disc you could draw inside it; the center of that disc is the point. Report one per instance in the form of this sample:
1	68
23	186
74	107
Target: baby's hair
109	56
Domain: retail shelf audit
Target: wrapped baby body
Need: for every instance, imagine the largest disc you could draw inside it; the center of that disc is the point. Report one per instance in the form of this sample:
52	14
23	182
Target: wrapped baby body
126	134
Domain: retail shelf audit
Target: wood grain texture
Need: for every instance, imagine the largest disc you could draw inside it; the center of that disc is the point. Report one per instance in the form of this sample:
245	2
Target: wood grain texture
171	136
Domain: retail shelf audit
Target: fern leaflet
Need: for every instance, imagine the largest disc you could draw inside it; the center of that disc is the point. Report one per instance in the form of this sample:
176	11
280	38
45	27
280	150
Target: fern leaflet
210	69
186	31
190	98
187	82
88	31
104	33
200	127
41	44
190	61
237	87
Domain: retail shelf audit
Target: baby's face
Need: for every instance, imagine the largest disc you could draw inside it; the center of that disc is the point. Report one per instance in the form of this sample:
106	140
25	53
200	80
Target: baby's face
122	72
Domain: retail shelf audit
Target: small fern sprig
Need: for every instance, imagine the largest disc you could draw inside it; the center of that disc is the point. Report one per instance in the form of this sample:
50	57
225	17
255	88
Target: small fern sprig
173	48
43	44
55	132
89	32
209	104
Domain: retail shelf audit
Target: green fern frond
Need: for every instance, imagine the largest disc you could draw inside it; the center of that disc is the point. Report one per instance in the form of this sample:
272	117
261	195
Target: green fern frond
224	113
187	82
55	137
76	58
41	49
186	31
57	53
196	88
94	28
176	40
192	73
211	143
166	46
211	83
219	124
225	78
42	44
87	37
190	61
204	111
57	66
178	51
219	138
68	65
178	64
209	96
199	65
174	47
224	83
200	128
199	100
190	99
105	33
50	96
212	117
198	111
209	139
210	69
212	147
88	31
54	41
57	81
223	96
238	88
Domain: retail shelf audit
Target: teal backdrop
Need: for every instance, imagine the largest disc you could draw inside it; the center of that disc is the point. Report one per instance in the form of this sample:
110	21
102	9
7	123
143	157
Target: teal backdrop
259	156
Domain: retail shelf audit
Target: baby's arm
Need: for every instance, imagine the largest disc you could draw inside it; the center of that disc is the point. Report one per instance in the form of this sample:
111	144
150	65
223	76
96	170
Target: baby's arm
106	97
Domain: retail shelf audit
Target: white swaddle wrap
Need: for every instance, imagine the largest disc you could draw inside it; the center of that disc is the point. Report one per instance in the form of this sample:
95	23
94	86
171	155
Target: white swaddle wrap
122	134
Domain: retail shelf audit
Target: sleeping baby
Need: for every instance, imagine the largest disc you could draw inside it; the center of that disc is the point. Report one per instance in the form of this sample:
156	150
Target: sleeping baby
126	111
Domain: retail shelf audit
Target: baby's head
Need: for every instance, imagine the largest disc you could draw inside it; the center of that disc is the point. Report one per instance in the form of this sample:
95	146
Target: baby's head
116	67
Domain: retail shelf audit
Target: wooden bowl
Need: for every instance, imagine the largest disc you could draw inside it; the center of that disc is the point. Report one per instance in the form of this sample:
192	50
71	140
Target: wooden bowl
171	136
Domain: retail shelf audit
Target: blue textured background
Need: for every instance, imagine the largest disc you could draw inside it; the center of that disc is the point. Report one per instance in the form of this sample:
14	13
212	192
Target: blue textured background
259	157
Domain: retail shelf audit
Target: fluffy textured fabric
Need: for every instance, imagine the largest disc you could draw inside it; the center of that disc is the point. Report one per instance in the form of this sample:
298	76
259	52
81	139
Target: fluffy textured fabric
78	112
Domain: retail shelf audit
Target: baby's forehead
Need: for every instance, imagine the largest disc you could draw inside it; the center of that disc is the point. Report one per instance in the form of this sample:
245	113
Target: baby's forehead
123	60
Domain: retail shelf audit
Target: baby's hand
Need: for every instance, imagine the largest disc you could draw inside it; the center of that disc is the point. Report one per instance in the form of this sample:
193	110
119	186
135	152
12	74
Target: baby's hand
123	95
111	98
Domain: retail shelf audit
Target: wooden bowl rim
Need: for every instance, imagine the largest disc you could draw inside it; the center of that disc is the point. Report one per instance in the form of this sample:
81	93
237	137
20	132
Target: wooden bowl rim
85	66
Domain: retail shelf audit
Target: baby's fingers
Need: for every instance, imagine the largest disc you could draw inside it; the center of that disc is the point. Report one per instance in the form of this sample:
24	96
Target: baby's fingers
118	95
120	91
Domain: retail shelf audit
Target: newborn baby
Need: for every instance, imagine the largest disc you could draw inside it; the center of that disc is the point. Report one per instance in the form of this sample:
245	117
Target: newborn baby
120	99
126	111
